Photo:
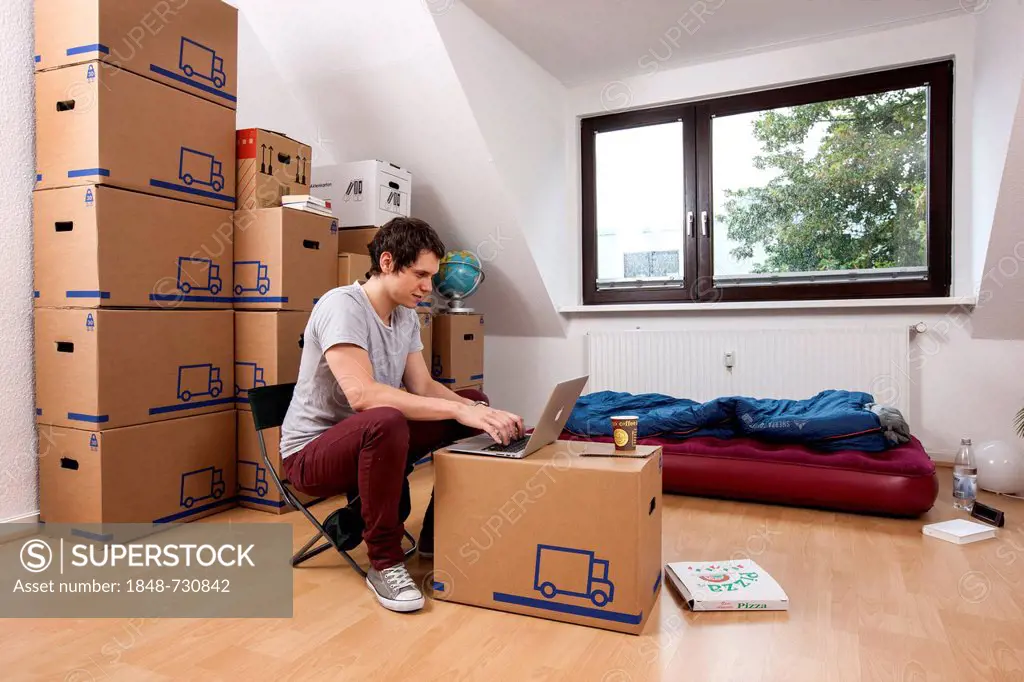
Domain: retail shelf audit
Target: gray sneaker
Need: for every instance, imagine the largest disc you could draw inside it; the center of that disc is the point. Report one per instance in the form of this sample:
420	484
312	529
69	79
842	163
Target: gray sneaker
395	588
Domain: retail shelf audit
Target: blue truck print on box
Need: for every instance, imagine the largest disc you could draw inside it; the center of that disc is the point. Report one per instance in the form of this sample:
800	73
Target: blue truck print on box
197	380
248	375
199	168
252	478
199	61
201	484
589	575
251	275
198	274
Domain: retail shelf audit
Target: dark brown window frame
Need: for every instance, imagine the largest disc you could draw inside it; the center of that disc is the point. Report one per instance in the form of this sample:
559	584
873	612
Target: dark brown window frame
697	282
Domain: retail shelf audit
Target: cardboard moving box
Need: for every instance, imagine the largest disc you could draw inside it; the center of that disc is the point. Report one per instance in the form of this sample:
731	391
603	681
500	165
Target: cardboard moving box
356	241
103	369
191	45
268	348
175	470
426	337
256	488
270	166
284	259
555	535
104	247
112	127
458	350
365	193
352	268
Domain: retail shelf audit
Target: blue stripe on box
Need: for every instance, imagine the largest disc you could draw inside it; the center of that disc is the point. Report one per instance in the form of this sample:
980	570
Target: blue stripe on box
86	293
476	377
438	587
194	510
445	381
86	49
86	172
91	418
423	460
243	401
265	503
39	177
657	582
89	535
191	298
190	406
39	411
191	190
38	58
614	616
260	299
35	294
187	81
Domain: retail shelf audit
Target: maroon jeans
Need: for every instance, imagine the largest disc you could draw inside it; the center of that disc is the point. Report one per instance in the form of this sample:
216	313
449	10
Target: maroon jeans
371	452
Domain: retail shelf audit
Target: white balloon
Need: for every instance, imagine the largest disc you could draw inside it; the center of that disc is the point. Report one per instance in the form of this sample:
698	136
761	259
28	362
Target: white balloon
1000	466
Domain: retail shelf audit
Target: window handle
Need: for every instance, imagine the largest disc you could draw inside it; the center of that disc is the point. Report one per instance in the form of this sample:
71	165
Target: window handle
704	223
689	223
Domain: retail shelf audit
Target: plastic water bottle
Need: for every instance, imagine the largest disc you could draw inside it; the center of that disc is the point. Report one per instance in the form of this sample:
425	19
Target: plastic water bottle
965	476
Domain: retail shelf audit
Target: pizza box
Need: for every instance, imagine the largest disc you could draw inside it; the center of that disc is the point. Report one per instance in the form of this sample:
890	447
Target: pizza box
739	585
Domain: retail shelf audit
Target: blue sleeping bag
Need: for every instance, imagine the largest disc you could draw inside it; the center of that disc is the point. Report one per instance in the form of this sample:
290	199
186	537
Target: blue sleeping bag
830	421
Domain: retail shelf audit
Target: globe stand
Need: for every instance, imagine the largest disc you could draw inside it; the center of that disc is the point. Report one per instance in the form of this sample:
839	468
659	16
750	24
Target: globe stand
457	300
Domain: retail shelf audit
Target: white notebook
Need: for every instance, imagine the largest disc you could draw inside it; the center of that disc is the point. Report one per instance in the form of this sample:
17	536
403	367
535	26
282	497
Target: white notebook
959	531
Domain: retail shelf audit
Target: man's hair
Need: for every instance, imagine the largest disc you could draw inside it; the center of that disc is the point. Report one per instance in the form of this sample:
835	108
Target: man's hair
404	239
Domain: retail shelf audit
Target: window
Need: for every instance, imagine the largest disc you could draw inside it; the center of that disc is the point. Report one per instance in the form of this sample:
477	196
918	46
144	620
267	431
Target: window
829	190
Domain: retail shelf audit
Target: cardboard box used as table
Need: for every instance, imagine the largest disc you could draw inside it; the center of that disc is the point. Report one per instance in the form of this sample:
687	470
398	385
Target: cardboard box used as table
176	470
112	127
103	369
268	349
270	166
458	350
285	259
555	535
191	45
99	246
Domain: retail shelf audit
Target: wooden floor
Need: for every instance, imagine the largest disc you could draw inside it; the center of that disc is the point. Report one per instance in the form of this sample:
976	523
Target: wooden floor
871	599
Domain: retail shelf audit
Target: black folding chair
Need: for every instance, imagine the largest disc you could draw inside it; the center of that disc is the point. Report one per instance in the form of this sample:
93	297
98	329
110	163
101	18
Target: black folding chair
269	405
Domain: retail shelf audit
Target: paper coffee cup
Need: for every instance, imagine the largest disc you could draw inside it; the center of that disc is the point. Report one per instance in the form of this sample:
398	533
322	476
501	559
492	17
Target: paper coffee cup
624	432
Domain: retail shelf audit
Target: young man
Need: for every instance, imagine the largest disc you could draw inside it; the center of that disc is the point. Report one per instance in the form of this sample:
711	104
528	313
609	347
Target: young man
349	427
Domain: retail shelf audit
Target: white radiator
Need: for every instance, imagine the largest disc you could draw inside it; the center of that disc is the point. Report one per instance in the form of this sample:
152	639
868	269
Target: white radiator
778	363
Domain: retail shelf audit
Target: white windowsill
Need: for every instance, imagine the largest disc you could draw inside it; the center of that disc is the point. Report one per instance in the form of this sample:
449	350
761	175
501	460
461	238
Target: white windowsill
948	302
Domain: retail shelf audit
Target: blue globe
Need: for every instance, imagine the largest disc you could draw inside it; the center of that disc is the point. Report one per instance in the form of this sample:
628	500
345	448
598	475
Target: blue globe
459	275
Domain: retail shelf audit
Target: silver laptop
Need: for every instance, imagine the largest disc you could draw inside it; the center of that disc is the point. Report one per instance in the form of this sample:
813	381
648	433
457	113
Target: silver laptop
550	426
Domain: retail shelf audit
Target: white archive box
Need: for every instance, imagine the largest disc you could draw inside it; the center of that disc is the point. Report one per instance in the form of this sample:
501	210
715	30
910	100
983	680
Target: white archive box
364	193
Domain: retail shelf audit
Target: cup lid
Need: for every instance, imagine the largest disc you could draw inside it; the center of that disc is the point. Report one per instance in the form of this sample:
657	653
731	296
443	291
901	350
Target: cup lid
625	416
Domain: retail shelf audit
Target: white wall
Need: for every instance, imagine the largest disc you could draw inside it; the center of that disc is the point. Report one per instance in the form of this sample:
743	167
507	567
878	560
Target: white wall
521	111
961	386
999	66
17	176
379	84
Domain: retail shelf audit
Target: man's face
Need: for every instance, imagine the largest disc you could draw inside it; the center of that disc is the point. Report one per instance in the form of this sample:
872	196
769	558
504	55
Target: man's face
413	284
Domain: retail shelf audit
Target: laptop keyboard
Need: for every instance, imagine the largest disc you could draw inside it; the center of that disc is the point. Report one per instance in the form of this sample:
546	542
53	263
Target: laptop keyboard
517	445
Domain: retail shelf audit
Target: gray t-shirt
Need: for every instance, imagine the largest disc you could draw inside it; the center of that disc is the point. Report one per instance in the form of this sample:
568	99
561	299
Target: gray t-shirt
344	315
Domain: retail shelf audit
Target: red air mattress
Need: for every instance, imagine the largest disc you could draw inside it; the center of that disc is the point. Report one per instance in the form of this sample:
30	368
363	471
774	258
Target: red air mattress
898	482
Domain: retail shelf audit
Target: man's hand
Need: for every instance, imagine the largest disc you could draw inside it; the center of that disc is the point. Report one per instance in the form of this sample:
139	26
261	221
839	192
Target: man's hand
502	426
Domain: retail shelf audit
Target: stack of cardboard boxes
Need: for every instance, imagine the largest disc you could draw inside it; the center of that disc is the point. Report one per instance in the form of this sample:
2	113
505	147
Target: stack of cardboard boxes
133	217
285	259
